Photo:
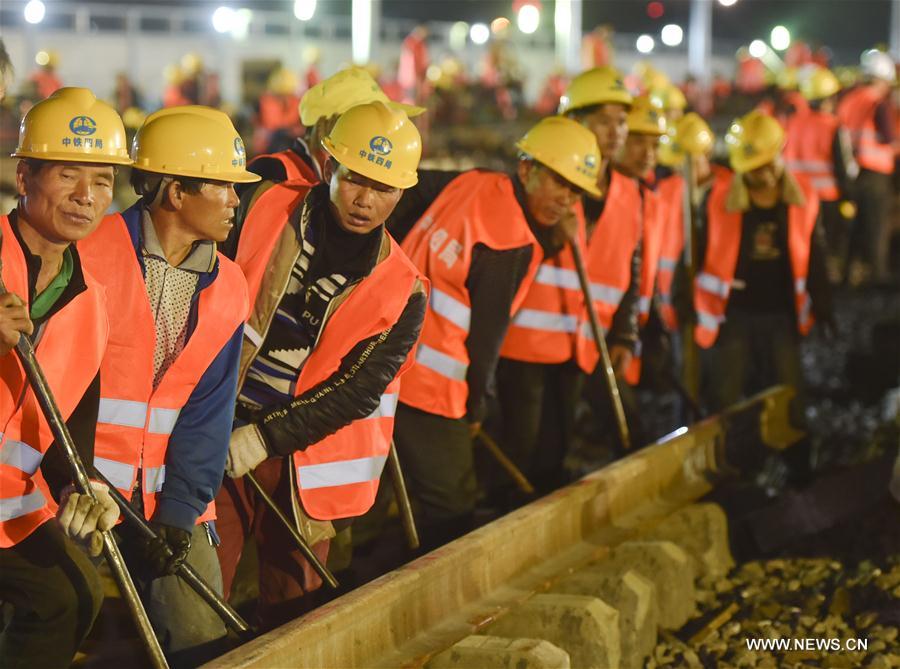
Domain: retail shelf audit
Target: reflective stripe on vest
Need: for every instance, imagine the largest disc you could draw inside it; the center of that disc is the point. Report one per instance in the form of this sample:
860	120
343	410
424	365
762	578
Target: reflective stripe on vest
713	284
441	363
477	207
120	474
558	277
546	320
450	308
19	455
347	472
16	507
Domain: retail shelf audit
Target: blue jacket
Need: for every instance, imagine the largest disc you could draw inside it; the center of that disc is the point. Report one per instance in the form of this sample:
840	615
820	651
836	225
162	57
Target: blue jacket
198	445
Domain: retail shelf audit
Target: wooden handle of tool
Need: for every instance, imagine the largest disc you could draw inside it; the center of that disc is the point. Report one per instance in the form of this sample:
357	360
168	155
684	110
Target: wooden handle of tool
508	465
610	374
403	504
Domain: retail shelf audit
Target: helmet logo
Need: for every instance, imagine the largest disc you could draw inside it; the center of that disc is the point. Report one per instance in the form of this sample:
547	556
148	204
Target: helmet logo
83	125
239	152
590	161
380	145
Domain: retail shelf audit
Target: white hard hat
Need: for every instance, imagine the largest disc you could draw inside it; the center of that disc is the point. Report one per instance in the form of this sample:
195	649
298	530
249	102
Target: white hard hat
879	65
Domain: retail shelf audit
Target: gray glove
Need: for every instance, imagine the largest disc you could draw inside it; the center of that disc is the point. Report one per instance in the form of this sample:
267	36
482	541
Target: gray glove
84	519
245	451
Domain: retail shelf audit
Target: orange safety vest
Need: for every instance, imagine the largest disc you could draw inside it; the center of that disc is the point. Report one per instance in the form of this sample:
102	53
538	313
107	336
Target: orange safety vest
278	111
338	476
671	192
856	112
608	261
135	421
653	212
69	348
808	151
712	286
543	328
294	166
475	208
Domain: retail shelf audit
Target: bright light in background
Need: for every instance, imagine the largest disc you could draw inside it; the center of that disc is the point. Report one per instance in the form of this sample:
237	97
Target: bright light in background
223	19
758	48
479	33
645	44
528	19
241	24
499	25
34	11
459	33
304	9
727	3
42	58
361	31
672	35
780	38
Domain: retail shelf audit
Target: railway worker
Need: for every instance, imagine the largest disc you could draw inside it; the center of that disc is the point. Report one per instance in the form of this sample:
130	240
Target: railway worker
69	145
866	113
480	243
337	310
320	108
646	123
169	377
692	139
820	149
599	101
762	280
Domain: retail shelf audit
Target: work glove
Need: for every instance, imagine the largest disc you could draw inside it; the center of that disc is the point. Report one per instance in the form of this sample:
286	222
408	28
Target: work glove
166	552
84	519
245	451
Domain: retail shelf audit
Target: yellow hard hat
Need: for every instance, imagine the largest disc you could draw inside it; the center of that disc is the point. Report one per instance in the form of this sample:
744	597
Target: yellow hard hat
652	78
191	64
646	116
173	75
820	84
754	140
47	58
601	85
377	141
282	81
191	141
72	124
134	117
670	97
348	88
690	135
788	79
566	147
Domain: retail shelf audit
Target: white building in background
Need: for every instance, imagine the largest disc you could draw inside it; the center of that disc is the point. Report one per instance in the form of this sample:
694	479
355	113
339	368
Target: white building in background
94	42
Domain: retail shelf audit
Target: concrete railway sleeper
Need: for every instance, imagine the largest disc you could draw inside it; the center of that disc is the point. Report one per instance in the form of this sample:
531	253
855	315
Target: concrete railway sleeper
588	576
